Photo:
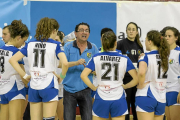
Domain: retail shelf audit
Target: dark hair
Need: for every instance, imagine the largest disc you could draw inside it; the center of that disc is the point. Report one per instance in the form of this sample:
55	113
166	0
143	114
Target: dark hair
108	40
137	36
45	27
105	30
77	26
163	31
163	47
61	36
18	28
176	34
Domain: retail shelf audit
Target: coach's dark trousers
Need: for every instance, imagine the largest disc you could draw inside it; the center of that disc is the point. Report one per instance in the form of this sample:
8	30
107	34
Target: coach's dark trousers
83	99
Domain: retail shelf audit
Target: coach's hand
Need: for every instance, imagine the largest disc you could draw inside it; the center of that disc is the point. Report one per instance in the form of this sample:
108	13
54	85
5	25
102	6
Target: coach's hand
81	61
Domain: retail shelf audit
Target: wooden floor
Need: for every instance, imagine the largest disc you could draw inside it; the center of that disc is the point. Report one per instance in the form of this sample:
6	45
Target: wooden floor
78	117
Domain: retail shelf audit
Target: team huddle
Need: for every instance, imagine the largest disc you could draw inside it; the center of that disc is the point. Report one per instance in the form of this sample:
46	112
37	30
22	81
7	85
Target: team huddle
55	77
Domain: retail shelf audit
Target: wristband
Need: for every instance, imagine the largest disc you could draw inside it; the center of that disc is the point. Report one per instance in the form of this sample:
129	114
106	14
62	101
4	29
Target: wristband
62	76
25	76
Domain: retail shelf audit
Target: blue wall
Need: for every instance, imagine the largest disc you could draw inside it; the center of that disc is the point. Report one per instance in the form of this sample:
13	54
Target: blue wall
69	14
14	9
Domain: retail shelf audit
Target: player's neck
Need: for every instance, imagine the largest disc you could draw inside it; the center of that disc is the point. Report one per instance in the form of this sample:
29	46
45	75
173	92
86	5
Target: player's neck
131	39
173	46
81	44
11	42
154	48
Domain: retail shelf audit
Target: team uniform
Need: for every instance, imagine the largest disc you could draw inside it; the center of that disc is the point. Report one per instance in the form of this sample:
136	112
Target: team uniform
58	71
173	86
42	57
153	93
110	69
26	67
11	85
94	76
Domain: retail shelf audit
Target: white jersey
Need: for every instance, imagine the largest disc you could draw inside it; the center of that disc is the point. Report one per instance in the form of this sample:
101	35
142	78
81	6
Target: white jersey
155	76
58	71
110	68
26	65
42	59
94	76
174	70
8	75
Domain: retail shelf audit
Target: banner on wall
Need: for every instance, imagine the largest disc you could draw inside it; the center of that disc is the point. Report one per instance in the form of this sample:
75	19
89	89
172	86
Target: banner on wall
14	10
148	16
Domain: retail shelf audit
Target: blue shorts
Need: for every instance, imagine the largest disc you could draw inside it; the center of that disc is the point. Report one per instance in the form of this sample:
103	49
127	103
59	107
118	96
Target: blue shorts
148	104
44	95
171	98
26	89
23	91
13	94
60	98
93	93
102	108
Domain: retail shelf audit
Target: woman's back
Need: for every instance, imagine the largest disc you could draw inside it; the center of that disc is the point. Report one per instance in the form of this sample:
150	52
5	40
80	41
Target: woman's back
42	57
110	68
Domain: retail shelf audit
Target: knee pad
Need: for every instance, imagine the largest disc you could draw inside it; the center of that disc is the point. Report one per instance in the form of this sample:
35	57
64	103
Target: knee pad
49	118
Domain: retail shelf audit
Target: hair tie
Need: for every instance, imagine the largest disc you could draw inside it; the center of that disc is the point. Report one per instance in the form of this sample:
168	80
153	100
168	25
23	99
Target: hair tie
161	37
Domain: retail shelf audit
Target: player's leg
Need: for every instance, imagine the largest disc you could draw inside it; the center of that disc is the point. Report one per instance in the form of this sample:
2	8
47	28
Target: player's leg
145	115
158	117
173	107
174	112
167	113
119	118
50	100
118	109
4	112
99	118
145	111
49	109
60	109
36	110
15	109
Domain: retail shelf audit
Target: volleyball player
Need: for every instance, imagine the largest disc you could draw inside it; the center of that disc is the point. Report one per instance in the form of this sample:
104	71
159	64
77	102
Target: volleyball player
151	93
12	91
110	67
172	36
60	107
42	54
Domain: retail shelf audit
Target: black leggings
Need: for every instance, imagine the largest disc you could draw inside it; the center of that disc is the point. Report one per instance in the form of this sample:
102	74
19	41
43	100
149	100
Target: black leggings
130	98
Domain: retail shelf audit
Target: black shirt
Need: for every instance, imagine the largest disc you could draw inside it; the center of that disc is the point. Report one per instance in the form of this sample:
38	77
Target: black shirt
132	50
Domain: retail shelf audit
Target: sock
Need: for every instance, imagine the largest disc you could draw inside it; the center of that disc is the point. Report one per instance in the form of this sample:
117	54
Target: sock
49	118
